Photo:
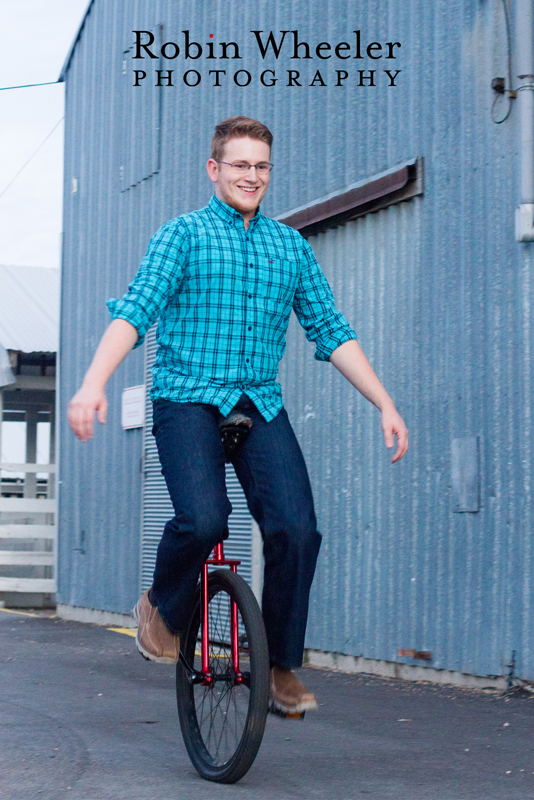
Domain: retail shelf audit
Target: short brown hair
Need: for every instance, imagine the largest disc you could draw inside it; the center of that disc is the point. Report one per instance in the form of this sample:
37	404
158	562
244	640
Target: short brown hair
237	127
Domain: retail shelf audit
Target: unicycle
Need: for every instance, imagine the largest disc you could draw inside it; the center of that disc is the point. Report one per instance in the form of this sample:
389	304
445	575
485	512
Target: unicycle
222	677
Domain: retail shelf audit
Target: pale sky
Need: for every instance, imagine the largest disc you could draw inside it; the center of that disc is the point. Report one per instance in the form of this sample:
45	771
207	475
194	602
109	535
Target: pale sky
36	37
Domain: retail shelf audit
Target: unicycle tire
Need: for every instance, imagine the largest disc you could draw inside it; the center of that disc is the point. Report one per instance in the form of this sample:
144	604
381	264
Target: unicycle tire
223	723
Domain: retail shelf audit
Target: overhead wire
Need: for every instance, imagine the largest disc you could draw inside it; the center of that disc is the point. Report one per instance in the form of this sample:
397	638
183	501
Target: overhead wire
30	158
27	85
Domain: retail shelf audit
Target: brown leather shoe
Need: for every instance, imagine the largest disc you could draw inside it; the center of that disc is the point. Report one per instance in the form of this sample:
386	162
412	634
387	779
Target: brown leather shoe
288	694
154	640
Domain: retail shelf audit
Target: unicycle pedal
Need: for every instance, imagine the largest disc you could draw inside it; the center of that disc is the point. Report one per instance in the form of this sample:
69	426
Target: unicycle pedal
279	712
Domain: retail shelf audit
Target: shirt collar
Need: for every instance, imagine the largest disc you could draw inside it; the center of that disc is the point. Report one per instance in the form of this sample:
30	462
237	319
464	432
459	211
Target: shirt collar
230	215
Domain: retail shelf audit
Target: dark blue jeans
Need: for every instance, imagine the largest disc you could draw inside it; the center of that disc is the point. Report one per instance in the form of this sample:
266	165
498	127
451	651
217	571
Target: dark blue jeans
272	472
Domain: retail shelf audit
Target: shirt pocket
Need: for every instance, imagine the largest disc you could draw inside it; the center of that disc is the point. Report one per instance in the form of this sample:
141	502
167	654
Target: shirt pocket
276	281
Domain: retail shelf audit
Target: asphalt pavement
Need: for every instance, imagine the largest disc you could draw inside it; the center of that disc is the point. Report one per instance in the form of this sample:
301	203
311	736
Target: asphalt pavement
84	717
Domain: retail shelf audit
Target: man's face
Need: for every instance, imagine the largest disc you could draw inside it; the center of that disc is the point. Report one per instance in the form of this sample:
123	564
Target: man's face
243	192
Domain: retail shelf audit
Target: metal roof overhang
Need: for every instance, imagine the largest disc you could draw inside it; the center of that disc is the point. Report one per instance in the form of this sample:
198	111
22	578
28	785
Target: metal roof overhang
399	183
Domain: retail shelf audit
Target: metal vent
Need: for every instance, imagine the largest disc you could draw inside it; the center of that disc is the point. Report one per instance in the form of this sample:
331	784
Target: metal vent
157	507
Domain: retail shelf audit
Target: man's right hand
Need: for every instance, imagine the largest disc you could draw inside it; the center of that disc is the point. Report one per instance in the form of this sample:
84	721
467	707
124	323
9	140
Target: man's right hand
82	409
116	342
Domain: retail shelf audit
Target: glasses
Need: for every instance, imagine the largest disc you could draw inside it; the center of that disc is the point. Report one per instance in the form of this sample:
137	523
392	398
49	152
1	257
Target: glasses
241	167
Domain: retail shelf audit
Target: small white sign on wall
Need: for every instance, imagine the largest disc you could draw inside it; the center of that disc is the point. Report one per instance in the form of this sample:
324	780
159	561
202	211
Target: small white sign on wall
133	407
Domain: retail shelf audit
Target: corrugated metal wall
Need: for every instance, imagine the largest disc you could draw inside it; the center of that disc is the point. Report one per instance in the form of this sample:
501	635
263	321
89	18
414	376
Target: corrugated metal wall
437	289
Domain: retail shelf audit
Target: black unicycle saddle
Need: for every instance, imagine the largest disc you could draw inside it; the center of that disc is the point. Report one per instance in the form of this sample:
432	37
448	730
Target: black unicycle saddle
234	429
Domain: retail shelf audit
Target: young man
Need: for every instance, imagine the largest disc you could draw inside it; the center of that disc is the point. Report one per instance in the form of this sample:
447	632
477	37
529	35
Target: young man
223	281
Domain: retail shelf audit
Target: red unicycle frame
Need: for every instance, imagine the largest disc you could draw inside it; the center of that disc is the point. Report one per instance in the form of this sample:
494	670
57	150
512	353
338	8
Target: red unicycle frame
218	560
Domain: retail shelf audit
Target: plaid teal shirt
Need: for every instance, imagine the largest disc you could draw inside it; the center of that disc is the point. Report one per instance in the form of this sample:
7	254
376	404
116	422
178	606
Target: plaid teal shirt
223	296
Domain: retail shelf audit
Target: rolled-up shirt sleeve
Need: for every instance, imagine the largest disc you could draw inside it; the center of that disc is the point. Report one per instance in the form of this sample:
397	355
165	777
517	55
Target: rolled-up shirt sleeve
156	281
315	308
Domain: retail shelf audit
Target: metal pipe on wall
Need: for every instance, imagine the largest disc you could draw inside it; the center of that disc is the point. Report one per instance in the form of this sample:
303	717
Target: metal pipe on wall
524	218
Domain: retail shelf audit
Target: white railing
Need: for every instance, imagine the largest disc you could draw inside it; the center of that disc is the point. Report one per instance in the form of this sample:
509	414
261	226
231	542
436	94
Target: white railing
28	506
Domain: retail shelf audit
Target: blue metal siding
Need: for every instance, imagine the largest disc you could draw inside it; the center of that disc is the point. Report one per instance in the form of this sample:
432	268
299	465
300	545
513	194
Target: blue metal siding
436	288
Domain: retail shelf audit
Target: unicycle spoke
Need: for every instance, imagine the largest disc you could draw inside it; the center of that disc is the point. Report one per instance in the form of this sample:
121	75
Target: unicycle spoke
222	714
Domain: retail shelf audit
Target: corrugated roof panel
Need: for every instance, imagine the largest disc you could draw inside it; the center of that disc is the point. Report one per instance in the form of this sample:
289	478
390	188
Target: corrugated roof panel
29	309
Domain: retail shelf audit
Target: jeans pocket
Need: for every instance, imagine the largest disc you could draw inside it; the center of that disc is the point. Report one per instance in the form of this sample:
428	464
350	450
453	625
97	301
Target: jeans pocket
157	408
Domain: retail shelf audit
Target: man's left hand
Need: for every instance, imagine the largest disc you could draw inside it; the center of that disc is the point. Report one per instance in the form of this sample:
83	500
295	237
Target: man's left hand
392	423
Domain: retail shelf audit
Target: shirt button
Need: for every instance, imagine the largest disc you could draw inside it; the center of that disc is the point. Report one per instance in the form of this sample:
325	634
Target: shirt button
250	327
248	359
250	295
251	265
